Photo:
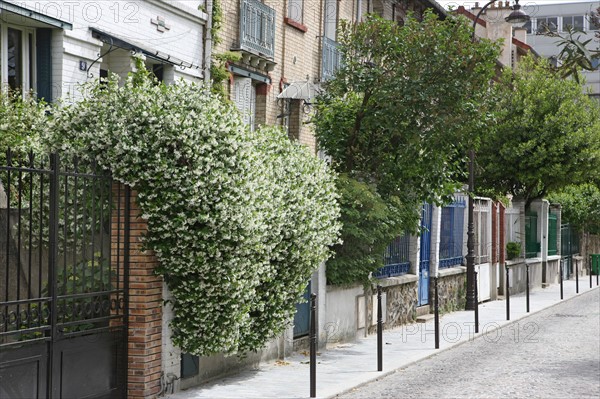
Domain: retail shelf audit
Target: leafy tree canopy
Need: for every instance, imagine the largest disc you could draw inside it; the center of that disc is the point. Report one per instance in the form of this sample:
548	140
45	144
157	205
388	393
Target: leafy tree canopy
546	136
396	119
580	206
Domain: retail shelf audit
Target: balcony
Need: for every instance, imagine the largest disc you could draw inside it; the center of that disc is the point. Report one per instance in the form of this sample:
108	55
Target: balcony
257	28
332	59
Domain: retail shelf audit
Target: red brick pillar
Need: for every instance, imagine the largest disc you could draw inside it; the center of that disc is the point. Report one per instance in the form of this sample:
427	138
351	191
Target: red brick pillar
144	343
502	239
495	243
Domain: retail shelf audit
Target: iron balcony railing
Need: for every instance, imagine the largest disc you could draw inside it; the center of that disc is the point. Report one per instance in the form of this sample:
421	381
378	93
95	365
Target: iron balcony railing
257	28
332	59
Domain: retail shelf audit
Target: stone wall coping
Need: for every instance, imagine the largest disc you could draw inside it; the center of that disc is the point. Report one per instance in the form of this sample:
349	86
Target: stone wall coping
553	257
333	288
577	257
532	261
398	280
452	271
514	262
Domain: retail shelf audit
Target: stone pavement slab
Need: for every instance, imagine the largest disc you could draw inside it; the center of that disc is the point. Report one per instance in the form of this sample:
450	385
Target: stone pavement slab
346	366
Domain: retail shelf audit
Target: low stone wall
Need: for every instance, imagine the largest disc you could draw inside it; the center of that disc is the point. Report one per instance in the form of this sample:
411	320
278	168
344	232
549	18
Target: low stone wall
401	299
452	285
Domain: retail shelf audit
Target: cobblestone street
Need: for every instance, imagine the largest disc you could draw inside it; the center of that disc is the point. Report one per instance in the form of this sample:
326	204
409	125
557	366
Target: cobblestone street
552	354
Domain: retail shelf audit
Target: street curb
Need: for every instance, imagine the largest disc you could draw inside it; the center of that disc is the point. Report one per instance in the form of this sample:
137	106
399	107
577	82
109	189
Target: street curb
452	346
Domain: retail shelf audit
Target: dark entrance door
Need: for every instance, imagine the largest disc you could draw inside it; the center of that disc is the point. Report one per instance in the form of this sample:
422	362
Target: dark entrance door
63	285
425	254
302	316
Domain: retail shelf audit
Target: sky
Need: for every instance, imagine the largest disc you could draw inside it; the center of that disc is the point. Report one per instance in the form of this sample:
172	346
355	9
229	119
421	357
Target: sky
468	4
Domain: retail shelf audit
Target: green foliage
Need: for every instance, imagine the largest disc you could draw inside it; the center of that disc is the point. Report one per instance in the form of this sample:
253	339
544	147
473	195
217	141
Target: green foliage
580	206
237	220
513	250
219	73
398	117
546	136
22	120
370	224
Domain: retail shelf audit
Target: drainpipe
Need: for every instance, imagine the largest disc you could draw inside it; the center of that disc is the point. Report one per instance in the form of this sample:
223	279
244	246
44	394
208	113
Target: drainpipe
208	42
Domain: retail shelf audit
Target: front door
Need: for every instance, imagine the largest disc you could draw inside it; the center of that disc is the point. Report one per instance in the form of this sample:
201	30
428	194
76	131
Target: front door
425	254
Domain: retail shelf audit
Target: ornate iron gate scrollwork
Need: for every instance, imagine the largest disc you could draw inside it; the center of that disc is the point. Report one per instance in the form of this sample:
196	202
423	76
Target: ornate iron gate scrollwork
63	280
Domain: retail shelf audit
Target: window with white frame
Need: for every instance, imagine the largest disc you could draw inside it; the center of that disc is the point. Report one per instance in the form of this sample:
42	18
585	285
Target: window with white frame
295	10
575	22
243	94
17	57
548	23
482	228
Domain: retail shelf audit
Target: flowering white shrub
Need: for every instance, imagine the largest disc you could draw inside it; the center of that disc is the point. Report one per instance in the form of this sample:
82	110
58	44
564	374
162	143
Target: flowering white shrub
237	219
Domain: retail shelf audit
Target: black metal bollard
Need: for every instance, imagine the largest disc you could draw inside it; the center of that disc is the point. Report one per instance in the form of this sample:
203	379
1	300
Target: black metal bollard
590	271
379	331
476	303
507	295
576	277
313	345
561	279
527	288
436	312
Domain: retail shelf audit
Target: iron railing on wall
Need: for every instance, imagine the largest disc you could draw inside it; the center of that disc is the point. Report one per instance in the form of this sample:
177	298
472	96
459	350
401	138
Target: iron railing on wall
451	234
396	259
532	245
257	28
332	59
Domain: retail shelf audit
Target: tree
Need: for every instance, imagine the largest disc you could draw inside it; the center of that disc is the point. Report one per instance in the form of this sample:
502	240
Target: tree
396	120
546	136
575	54
580	206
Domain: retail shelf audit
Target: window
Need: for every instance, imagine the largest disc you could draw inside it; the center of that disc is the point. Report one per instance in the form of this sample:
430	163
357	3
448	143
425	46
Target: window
16	57
243	94
544	24
527	26
575	22
295	10
331	15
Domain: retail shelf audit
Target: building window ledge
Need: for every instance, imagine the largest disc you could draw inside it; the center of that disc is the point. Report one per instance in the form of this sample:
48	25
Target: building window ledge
295	24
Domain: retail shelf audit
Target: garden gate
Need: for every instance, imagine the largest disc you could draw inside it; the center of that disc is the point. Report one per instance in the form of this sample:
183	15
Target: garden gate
63	281
425	254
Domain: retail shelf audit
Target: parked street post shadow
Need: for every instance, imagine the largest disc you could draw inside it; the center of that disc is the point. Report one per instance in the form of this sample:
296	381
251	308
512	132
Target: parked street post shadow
379	331
476	303
313	345
507	295
561	279
436	313
527	288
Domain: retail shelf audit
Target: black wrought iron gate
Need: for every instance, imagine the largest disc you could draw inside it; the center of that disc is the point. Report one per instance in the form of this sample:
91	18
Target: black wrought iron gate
63	285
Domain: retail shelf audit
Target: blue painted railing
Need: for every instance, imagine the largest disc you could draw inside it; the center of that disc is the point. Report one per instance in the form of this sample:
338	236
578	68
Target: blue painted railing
395	258
257	28
451	234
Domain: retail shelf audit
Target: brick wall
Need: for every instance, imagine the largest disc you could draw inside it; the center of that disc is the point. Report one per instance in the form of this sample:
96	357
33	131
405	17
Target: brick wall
144	342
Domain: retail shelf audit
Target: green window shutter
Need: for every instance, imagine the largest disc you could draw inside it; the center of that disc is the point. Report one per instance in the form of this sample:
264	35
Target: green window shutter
44	63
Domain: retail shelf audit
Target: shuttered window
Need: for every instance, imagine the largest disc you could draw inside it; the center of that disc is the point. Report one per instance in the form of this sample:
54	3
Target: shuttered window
244	97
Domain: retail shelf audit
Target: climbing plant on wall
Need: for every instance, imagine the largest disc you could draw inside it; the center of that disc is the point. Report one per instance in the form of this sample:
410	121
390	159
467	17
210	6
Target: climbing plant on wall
237	219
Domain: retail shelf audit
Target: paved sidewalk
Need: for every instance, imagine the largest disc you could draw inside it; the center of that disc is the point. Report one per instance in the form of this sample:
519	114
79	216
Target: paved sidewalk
347	366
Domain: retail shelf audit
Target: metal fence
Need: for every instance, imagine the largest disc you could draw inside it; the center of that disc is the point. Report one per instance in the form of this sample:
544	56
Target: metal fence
396	259
63	285
482	222
451	234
